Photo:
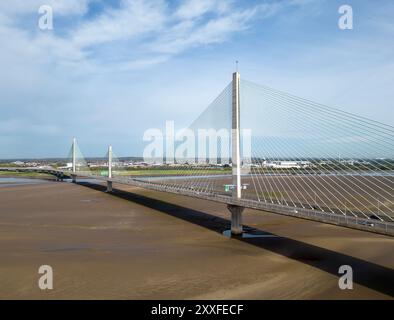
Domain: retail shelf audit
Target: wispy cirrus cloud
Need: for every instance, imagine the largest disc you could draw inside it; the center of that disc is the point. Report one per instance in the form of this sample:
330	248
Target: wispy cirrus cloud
140	30
132	20
191	33
149	27
197	8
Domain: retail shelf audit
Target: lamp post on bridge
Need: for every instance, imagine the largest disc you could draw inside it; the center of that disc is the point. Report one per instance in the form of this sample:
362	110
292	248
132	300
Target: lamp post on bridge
236	211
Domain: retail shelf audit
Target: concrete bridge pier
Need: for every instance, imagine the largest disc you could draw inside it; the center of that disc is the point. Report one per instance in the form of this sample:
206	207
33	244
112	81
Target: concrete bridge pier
236	219
109	186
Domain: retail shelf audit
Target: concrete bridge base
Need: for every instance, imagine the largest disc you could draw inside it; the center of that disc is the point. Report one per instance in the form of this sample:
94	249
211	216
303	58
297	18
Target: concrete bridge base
236	219
109	186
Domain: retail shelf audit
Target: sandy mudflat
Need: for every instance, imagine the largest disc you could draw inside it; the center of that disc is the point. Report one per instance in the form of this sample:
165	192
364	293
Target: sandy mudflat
146	245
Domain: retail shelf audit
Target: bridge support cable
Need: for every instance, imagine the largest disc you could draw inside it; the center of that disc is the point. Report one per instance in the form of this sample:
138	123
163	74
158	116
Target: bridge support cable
310	156
195	167
317	184
352	182
216	118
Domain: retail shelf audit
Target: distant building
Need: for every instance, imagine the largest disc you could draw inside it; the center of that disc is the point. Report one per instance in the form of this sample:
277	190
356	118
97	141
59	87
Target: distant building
286	164
69	165
348	162
325	162
31	164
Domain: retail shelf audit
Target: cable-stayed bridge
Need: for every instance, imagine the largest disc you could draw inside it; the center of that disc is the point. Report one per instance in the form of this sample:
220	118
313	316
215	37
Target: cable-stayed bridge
260	148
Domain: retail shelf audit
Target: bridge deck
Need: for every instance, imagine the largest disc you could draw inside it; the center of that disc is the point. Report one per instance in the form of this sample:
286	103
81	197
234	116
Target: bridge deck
371	225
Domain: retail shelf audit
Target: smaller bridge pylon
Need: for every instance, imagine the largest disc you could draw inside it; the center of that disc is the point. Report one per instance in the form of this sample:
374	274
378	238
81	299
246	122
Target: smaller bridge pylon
109	183
74	158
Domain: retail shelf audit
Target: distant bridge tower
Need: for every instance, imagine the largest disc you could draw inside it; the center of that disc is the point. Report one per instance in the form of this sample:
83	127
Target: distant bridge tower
236	211
109	183
74	151
74	160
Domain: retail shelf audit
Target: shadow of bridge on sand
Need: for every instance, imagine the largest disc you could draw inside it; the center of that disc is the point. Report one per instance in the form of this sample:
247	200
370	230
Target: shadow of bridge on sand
367	273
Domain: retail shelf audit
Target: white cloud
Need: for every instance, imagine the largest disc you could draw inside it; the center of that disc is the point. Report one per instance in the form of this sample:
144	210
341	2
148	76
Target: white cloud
144	32
149	27
133	19
188	33
190	9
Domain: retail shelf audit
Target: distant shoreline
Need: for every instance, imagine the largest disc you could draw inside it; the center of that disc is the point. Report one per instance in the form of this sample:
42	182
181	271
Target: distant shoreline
30	175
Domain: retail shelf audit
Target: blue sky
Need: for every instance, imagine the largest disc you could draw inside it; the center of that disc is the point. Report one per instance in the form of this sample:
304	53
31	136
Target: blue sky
109	70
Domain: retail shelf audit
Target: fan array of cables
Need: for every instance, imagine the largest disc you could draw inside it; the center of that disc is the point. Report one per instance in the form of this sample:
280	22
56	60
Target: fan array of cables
294	152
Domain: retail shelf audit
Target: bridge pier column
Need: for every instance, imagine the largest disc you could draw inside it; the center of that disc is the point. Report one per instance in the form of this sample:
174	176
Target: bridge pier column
109	186
236	219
